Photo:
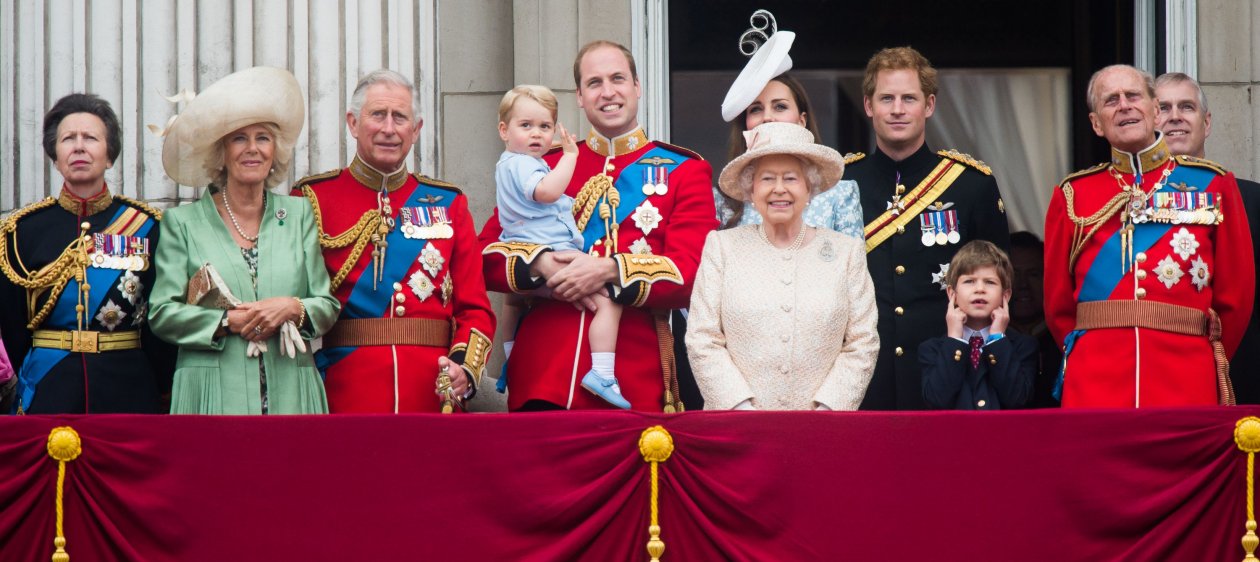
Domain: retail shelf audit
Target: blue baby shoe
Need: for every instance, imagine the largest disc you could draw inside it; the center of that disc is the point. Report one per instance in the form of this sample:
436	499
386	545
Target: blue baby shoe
606	388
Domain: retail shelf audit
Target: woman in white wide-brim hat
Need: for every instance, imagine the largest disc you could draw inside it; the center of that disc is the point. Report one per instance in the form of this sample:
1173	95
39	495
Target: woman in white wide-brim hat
237	138
782	314
765	92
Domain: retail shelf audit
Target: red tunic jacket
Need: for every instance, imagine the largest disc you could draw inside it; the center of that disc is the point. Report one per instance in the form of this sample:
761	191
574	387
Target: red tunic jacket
1193	260
438	277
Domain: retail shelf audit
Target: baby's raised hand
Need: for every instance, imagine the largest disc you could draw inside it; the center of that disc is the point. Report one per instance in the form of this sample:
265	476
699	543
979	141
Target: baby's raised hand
568	142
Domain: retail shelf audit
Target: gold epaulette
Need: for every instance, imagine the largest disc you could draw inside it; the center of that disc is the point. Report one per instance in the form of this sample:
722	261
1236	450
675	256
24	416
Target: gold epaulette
1086	172
966	159
681	150
1201	163
426	180
145	207
10	222
313	179
853	157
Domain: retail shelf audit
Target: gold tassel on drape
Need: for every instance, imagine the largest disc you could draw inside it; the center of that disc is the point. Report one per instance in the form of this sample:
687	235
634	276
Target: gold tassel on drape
63	445
655	444
1247	437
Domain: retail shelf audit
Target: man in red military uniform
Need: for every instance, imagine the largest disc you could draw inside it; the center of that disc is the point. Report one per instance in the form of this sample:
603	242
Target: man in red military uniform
402	253
1148	283
644	209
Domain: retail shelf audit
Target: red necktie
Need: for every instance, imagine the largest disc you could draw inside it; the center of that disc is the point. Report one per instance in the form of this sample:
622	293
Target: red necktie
976	342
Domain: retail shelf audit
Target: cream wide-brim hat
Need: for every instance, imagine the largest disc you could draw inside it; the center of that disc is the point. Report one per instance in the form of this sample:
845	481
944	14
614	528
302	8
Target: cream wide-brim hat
781	138
261	94
770	60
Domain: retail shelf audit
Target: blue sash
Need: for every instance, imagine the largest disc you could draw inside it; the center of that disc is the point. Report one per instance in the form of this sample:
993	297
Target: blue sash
402	252
629	185
39	361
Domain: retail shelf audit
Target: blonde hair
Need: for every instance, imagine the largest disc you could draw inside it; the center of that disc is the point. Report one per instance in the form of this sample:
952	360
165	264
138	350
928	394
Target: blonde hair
281	157
541	94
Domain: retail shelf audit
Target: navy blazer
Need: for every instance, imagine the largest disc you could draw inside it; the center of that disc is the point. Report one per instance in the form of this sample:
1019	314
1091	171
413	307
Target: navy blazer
1004	378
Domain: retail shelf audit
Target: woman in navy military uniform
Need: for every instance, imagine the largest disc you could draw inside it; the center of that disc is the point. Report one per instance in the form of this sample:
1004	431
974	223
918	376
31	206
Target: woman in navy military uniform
76	275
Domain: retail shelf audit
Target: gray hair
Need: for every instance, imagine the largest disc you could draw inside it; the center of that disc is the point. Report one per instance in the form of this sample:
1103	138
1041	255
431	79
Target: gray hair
813	176
383	76
1169	78
1093	81
281	158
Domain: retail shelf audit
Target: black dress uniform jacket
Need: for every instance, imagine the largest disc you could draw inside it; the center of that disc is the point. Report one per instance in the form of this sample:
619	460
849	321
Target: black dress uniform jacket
1244	368
118	381
908	276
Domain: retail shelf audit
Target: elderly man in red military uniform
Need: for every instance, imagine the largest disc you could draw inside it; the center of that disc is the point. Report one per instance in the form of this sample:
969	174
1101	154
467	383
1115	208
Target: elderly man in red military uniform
1148	283
402	252
644	208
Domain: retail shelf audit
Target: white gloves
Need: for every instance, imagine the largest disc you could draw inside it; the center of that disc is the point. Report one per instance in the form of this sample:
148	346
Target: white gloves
290	342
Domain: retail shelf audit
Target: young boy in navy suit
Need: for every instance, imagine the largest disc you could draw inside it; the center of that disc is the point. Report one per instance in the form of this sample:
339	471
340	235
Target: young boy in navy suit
979	364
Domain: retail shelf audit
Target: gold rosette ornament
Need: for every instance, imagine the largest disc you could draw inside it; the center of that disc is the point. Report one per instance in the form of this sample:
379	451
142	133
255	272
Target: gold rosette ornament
656	445
1247	437
64	446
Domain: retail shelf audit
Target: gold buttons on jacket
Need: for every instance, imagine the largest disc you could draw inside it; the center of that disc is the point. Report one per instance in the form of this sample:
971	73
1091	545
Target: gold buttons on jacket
992	359
981	404
1140	293
957	355
400	311
900	311
1140	257
1140	274
899	351
901	270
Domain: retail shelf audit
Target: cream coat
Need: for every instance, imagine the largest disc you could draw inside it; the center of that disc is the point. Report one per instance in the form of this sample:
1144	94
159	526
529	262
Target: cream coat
787	329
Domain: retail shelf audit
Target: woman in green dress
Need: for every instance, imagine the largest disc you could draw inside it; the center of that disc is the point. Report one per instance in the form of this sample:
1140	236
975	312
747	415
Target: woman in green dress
248	355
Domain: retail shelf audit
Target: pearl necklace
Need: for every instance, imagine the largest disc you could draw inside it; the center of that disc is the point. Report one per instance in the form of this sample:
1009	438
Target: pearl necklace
237	225
800	237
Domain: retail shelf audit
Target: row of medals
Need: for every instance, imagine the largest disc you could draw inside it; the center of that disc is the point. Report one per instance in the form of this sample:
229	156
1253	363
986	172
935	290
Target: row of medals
131	263
1141	214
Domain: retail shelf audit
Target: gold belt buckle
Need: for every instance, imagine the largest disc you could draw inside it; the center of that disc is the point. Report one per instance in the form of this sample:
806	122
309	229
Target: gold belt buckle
84	341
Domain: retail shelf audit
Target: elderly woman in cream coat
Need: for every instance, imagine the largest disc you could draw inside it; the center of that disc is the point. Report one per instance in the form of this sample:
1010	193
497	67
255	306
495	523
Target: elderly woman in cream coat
782	315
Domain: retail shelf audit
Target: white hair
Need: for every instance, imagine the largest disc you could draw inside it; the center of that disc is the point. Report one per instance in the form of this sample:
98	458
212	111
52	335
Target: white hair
1093	82
812	175
383	76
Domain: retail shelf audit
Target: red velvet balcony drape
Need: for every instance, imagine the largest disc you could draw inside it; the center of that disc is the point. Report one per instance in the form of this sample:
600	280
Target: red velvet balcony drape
1036	485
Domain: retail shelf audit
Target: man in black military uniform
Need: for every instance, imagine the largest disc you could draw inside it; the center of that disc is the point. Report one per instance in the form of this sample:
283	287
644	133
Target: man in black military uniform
919	207
1186	122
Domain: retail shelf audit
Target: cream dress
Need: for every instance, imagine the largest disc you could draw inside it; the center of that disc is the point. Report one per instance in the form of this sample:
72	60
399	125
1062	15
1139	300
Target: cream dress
788	329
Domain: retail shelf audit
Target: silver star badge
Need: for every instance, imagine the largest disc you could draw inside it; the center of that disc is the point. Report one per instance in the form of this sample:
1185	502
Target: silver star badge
420	285
646	217
1199	274
110	315
939	277
641	246
432	259
130	286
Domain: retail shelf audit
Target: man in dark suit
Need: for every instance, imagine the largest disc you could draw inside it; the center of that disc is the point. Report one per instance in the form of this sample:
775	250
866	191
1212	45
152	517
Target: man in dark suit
919	207
1186	122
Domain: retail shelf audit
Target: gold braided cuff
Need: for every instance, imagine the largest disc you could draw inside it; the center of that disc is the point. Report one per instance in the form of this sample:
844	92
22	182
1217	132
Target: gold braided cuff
647	268
475	354
523	250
